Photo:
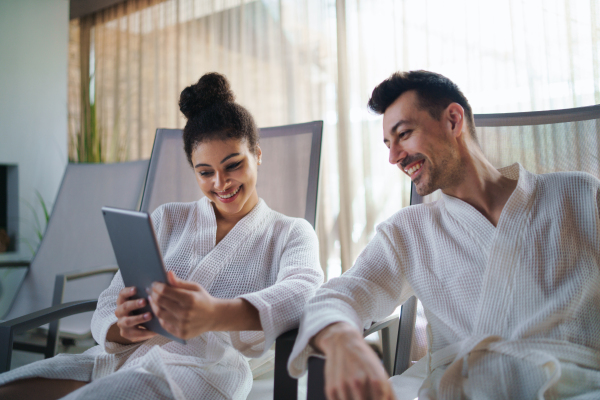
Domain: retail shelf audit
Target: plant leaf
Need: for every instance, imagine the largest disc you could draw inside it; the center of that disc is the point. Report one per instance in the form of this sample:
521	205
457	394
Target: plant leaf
43	203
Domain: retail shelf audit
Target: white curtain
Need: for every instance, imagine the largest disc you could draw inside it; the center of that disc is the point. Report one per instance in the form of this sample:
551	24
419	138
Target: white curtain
293	61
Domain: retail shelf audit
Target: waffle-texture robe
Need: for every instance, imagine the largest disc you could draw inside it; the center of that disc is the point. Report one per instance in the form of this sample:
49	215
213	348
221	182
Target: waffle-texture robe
513	310
269	259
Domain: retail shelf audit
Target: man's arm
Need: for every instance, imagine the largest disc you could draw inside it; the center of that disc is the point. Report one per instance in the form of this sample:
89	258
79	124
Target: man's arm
335	317
352	369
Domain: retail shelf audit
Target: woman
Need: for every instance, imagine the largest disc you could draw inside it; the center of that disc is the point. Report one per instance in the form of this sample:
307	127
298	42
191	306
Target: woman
240	274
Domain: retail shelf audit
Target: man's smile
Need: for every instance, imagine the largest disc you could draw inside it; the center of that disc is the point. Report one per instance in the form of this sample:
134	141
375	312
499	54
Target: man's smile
414	168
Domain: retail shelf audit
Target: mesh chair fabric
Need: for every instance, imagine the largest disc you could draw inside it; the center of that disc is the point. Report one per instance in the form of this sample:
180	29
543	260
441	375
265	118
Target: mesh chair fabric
76	237
287	177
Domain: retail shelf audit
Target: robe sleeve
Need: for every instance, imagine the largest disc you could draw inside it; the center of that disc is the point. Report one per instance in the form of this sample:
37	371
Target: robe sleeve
280	305
104	316
367	292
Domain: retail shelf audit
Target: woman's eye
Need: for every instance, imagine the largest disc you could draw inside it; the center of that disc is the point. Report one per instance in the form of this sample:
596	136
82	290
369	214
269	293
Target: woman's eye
234	165
205	173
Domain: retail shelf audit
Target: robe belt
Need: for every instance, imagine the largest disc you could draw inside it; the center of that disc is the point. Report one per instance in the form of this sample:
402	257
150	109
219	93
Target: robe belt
545	353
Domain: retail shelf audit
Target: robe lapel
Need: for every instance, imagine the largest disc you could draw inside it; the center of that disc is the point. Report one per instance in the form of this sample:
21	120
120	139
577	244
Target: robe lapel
209	266
503	263
474	223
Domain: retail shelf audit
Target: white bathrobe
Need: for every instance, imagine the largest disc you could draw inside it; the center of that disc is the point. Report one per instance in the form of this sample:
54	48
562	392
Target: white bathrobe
268	259
513	310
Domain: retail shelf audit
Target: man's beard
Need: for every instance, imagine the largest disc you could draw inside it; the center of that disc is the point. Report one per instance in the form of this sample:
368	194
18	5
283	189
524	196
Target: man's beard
448	172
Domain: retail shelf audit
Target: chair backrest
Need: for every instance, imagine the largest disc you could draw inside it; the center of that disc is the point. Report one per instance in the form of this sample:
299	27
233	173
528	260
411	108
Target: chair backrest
287	177
76	238
543	142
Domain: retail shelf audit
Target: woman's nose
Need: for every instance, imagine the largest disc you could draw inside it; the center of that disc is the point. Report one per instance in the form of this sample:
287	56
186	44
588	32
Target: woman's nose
221	182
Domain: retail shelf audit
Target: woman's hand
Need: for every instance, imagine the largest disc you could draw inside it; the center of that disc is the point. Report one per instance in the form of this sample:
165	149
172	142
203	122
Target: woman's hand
185	309
352	370
127	329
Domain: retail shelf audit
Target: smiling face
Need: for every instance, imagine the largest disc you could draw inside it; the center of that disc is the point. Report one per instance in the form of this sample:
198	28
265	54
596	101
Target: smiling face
427	150
226	171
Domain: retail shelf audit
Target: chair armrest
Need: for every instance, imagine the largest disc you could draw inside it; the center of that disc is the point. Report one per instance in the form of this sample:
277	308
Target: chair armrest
379	325
83	274
316	365
61	280
389	338
285	387
21	324
316	379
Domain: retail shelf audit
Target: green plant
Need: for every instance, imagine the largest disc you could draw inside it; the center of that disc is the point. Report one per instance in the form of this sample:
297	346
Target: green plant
88	142
38	228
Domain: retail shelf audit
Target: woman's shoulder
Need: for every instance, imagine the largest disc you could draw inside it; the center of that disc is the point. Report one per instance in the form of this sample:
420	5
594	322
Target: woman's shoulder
291	225
178	209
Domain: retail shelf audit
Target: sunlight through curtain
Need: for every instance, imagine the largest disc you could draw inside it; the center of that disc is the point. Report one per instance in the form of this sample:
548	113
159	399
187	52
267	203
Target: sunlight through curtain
297	61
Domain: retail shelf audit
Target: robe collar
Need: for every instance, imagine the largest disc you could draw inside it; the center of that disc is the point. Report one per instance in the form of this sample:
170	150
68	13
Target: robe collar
218	255
479	226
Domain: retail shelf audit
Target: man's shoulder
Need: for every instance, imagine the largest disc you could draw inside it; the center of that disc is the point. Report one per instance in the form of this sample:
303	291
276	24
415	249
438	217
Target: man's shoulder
569	180
413	216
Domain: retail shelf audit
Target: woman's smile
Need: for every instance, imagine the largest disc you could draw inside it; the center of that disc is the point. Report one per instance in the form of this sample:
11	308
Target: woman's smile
228	196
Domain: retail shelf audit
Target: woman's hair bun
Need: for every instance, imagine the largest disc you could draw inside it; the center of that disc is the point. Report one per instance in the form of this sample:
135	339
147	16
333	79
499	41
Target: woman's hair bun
212	88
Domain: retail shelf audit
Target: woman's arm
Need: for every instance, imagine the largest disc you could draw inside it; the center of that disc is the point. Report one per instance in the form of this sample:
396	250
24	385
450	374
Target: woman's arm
280	305
187	310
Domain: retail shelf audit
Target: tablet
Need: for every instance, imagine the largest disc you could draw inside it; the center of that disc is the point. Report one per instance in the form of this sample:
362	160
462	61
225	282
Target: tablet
138	256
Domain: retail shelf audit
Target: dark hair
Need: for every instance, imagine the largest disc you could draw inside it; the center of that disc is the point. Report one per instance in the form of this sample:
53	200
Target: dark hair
212	114
435	93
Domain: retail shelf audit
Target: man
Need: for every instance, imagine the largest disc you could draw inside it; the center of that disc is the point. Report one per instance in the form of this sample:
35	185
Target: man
506	265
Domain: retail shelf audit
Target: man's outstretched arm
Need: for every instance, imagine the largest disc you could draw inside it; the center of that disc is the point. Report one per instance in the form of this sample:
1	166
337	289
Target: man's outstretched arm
352	369
334	319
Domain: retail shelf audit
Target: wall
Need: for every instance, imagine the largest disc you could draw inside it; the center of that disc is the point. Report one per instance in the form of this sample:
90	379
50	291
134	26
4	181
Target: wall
33	103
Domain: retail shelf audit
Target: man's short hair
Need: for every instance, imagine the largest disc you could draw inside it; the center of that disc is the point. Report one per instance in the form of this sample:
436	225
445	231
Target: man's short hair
435	92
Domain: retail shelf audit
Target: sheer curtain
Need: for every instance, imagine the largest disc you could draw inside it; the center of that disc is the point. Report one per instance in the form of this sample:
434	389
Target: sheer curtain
506	56
300	60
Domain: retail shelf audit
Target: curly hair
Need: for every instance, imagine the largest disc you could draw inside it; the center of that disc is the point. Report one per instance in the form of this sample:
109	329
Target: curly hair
435	92
211	112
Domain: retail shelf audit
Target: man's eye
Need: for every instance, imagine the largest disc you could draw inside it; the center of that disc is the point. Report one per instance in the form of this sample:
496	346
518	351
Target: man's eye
401	135
233	166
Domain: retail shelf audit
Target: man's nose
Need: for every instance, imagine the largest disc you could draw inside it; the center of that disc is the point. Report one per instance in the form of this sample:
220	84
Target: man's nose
397	153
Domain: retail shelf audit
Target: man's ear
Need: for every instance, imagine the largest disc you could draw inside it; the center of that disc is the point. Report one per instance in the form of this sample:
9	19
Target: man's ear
455	115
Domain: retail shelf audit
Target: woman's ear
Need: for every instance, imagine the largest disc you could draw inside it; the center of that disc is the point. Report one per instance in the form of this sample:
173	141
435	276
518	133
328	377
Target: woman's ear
258	153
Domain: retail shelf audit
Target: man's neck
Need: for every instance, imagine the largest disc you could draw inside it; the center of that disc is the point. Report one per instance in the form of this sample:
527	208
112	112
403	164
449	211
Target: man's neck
483	187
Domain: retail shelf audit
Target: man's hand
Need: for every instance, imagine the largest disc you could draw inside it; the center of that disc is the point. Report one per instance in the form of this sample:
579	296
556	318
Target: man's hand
352	369
184	309
127	330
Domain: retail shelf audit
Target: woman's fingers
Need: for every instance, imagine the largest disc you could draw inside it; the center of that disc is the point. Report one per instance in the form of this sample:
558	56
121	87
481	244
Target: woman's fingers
137	334
125	294
182	284
124	309
129	322
165	306
178	294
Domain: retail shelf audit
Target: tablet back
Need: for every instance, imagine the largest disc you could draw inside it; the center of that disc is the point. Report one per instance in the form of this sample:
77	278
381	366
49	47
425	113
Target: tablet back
138	256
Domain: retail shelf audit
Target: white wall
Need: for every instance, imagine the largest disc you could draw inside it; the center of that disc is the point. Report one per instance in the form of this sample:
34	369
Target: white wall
33	102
